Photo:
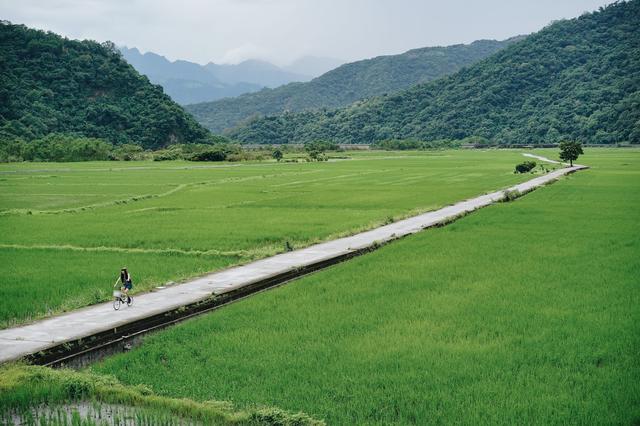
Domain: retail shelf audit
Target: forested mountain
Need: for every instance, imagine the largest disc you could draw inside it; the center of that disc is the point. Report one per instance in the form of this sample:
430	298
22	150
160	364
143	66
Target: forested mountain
187	82
49	84
575	79
346	84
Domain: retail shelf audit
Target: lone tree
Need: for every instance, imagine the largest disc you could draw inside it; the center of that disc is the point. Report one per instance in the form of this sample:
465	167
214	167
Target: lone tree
570	151
277	154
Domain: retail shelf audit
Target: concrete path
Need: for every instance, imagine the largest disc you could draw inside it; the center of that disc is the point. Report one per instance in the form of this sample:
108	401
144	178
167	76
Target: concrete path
545	159
20	341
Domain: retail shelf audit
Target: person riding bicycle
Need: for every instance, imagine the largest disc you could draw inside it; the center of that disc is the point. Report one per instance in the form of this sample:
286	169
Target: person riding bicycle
125	280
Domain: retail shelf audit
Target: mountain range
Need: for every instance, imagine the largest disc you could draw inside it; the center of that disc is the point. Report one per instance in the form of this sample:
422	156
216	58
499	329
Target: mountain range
188	82
575	79
347	83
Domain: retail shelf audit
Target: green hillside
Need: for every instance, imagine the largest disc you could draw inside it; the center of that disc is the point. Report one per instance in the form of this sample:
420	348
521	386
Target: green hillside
576	79
346	84
49	84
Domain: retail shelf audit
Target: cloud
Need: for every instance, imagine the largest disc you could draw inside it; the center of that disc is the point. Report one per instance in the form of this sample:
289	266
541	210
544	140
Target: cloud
283	30
244	52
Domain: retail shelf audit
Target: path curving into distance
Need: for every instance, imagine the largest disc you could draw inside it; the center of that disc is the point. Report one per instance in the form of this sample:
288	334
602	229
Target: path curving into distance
21	341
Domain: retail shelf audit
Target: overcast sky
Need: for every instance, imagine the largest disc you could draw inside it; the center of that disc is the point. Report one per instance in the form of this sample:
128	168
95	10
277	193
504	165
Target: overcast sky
283	30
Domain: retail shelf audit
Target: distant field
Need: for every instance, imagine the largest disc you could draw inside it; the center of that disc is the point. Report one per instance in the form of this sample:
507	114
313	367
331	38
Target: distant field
68	228
522	313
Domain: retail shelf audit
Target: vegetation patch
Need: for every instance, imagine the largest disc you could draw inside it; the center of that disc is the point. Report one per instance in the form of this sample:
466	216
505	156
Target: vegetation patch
40	395
525	167
519	313
68	228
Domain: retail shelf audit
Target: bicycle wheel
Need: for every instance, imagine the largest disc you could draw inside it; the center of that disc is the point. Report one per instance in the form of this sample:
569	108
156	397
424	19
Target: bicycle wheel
116	303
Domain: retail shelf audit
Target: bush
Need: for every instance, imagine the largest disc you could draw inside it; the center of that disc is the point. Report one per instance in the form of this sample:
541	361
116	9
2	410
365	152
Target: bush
317	156
127	152
55	147
511	194
525	167
214	154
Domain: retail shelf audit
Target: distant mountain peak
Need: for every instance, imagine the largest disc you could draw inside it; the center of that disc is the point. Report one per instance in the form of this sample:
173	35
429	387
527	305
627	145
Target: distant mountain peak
188	82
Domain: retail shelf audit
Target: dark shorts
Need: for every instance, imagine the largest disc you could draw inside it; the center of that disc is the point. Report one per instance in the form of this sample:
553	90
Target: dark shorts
128	285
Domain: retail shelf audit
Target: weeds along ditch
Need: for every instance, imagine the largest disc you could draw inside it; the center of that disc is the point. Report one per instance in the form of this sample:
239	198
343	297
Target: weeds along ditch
68	228
32	395
523	312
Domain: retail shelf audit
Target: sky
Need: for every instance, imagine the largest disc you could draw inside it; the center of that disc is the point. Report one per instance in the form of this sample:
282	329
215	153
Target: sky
280	31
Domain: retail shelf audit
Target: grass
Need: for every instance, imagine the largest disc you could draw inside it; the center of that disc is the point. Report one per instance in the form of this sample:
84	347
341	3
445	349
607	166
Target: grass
66	229
39	395
50	280
522	313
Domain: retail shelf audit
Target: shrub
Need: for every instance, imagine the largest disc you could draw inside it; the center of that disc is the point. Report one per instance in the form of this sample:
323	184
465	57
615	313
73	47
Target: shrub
525	167
214	154
55	147
511	194
127	152
168	155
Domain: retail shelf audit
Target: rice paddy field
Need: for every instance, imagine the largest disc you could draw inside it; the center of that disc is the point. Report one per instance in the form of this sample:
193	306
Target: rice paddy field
522	313
67	229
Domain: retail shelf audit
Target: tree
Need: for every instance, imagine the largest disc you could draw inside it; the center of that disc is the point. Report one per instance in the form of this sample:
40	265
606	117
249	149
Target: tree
570	150
277	154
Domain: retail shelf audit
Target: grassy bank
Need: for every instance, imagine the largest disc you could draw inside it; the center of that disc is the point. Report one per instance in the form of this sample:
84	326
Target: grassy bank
23	389
522	313
68	228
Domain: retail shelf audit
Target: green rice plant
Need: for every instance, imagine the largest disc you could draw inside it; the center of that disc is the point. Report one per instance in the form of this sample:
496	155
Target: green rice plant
521	313
170	220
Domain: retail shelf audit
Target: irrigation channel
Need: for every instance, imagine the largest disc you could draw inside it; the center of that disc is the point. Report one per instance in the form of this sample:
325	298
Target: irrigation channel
85	335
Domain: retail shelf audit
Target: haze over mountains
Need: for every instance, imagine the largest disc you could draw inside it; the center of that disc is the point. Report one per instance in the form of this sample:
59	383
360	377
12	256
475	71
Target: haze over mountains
188	82
576	79
347	83
313	66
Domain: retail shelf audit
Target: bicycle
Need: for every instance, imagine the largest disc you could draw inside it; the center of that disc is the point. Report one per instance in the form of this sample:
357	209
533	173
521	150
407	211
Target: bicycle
121	297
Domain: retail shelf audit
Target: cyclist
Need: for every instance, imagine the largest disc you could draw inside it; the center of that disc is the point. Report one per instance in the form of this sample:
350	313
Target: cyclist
125	280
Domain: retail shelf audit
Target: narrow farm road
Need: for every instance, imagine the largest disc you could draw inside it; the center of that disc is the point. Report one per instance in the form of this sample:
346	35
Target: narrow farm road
21	341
